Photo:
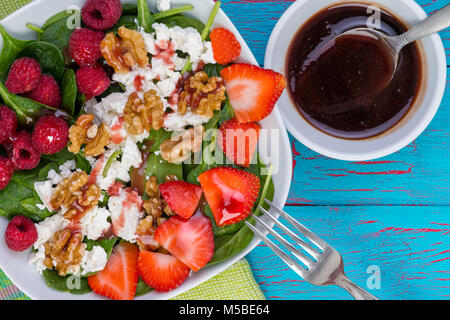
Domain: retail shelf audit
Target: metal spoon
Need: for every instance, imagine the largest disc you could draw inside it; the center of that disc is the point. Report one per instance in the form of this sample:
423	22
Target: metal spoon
435	23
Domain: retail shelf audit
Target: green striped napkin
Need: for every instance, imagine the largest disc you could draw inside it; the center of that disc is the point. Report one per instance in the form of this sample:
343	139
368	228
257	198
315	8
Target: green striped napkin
235	283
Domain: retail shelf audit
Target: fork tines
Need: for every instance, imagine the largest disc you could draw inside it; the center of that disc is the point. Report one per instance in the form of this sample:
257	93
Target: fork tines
313	252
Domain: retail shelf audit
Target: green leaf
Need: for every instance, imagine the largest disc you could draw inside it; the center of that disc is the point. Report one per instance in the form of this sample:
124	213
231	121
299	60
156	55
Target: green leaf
69	91
144	16
172	12
57	33
157	137
55	281
28	111
48	56
157	166
213	70
185	22
214	12
11	48
57	17
142	288
128	21
226	113
129	9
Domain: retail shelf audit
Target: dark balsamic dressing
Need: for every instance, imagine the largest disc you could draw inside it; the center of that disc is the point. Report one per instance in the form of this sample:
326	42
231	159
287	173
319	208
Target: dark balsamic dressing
340	86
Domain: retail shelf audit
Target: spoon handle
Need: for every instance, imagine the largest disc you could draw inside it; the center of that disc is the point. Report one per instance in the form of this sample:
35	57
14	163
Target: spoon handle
435	23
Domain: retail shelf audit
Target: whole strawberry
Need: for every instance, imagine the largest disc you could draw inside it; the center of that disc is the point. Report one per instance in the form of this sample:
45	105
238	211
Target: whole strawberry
92	81
23	75
47	92
84	46
101	14
50	134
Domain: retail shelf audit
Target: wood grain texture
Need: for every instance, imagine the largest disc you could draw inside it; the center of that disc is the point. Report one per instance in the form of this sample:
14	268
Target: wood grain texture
393	212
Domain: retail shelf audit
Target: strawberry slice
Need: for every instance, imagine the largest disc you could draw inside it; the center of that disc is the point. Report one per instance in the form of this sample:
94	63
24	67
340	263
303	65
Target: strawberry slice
191	241
253	91
231	193
225	46
182	197
238	141
119	279
162	272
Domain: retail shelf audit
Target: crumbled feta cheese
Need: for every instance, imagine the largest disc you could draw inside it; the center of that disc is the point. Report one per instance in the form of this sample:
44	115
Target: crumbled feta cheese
207	55
67	168
131	156
163	5
125	214
48	227
108	108
174	121
44	190
54	177
116	171
95	223
37	258
94	260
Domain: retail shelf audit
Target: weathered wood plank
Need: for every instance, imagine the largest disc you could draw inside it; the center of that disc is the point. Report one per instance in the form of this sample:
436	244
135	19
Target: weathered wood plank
410	245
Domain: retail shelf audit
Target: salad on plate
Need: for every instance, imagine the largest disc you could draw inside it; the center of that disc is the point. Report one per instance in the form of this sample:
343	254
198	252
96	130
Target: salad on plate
129	146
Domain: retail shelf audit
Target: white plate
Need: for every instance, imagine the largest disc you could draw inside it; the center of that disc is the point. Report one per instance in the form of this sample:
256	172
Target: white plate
408	129
16	266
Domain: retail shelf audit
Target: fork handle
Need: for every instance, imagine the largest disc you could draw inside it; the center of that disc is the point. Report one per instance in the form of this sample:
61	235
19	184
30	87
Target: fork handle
357	292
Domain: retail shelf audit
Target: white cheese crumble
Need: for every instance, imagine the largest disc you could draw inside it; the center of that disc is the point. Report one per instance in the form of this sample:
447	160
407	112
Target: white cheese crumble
94	260
44	190
95	223
109	108
174	121
163	5
125	215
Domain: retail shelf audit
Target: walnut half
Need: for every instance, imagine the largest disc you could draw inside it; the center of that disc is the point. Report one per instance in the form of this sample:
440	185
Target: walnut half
84	131
140	116
179	147
64	252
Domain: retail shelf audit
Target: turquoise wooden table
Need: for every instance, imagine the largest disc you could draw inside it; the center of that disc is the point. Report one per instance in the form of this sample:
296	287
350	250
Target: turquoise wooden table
391	215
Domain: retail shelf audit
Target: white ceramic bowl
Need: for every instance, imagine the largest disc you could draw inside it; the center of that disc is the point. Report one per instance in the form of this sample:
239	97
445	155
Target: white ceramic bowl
16	266
404	132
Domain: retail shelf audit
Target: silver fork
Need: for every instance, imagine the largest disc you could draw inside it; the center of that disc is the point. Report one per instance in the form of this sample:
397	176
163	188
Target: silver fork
324	267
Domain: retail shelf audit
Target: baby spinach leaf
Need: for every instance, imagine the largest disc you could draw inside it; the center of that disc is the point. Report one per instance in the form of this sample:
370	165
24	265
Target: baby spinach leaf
19	196
27	110
11	48
142	288
48	56
69	91
226	113
172	12
129	9
228	245
144	16
57	17
157	166
128	21
185	22
64	284
213	69
157	137
57	33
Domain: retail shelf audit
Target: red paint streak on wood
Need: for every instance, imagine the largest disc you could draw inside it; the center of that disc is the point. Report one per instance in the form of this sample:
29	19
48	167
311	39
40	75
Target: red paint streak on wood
401	230
395	172
366	222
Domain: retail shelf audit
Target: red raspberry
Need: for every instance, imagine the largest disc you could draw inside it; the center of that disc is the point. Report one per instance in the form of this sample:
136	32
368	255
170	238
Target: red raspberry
50	134
6	171
8	124
84	46
47	92
21	233
101	14
24	155
92	81
23	76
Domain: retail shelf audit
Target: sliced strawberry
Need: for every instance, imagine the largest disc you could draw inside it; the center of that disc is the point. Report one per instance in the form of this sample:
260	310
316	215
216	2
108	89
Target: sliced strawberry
191	241
182	197
119	279
230	193
253	91
238	141
225	46
162	272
